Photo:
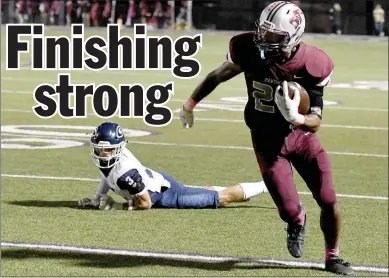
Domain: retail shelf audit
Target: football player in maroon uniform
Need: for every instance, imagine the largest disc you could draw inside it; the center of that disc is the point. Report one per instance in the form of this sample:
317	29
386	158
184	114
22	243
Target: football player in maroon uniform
281	136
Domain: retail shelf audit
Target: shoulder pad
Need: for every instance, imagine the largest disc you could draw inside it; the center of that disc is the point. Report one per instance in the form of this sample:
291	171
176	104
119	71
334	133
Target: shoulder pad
319	66
241	48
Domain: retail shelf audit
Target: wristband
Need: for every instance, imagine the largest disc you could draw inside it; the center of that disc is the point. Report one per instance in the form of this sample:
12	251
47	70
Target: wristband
190	105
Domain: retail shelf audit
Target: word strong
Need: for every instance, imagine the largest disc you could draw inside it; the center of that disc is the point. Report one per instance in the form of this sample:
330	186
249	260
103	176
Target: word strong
132	101
116	52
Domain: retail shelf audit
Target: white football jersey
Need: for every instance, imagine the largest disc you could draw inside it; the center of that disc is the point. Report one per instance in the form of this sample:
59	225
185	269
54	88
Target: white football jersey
153	180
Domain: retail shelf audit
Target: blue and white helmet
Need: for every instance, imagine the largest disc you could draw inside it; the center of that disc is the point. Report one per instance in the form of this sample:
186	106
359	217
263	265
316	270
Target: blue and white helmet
107	144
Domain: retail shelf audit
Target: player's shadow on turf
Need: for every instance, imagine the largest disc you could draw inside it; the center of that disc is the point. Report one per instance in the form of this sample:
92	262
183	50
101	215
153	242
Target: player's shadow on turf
44	204
246	206
74	205
126	261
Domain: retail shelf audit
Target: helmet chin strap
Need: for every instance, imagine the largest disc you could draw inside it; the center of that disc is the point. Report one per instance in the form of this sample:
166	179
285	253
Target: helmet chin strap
277	57
262	53
267	56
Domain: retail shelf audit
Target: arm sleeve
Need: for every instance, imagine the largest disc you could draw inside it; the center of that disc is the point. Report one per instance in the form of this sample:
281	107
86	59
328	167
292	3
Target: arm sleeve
132	181
103	187
320	70
316	100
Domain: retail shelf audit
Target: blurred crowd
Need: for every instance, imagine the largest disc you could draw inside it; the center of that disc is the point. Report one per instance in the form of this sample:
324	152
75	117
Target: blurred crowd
157	14
335	15
174	14
379	20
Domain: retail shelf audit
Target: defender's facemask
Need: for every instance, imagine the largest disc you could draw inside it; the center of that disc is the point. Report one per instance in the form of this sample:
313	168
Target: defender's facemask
106	155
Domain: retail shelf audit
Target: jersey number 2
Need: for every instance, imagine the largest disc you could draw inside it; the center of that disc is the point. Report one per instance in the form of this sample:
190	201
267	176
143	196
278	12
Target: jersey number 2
263	92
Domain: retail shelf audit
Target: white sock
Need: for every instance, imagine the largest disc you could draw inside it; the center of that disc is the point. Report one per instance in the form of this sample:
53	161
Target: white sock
219	188
251	189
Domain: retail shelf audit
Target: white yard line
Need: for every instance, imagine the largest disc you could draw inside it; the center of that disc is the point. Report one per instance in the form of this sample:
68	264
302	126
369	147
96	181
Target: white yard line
231	121
323	125
16	110
198	145
334	107
16	92
221	102
49	177
353	89
242	148
329	107
96	180
362	93
184	256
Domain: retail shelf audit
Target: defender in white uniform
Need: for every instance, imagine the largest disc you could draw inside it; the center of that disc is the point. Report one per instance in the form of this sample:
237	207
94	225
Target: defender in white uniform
144	188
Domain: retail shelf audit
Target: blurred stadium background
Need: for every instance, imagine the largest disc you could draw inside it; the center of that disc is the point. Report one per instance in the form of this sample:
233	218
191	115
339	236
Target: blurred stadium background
323	16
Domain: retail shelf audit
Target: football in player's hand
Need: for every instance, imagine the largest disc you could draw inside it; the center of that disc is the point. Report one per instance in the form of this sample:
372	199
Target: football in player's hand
304	101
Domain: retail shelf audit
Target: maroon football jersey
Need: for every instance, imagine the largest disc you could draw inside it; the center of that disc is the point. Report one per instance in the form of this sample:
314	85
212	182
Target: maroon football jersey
310	67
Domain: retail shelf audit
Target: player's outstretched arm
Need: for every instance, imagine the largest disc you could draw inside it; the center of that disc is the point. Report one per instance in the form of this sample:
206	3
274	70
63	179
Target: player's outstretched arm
95	200
108	203
103	188
142	202
223	73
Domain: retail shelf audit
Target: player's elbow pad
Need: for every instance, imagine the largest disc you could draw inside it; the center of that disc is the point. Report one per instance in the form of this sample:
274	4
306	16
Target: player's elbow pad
138	189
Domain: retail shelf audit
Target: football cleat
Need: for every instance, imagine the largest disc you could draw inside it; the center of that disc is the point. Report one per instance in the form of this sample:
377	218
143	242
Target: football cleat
338	266
295	238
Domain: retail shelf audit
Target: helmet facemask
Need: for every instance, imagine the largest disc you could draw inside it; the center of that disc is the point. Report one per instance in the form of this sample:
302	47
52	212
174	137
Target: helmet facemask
106	155
271	43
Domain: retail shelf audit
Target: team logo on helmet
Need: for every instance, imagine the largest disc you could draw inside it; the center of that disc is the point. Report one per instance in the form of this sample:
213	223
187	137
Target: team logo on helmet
119	132
296	19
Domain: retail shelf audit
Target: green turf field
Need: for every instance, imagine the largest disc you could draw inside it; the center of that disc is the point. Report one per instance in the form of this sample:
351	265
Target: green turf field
38	207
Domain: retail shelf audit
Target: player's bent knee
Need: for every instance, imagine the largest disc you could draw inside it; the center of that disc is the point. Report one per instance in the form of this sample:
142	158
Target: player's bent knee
327	203
325	195
289	212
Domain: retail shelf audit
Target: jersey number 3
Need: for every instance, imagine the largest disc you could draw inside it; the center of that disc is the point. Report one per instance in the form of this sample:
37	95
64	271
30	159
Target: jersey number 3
263	92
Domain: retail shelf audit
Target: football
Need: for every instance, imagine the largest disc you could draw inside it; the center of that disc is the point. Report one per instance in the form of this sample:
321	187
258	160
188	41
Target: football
304	101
